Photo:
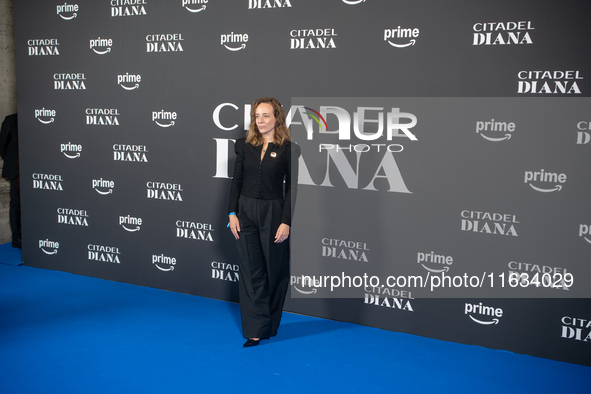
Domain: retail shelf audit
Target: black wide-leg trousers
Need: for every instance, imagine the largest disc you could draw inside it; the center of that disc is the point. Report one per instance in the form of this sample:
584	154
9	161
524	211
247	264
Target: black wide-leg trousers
264	267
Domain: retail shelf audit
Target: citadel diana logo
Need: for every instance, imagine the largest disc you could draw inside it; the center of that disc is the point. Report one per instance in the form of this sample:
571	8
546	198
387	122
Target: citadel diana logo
102	116
43	47
124	152
225	271
194	230
69	81
489	223
388	298
164	43
259	4
164	191
345	141
47	182
577	329
502	33
312	39
584	132
128	7
549	82
73	217
107	254
347	250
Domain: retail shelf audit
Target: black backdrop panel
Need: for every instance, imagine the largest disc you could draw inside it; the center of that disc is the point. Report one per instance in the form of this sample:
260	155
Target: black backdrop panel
129	111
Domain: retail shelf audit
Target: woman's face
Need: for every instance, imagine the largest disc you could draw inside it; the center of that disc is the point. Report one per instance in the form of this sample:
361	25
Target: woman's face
265	119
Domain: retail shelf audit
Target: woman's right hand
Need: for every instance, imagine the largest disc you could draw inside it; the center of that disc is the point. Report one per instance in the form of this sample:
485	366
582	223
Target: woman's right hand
235	226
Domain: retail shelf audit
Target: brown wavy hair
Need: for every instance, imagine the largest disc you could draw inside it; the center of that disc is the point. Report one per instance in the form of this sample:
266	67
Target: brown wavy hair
281	135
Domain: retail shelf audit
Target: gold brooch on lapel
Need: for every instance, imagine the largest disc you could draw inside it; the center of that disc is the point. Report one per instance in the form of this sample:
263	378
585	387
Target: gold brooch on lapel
273	154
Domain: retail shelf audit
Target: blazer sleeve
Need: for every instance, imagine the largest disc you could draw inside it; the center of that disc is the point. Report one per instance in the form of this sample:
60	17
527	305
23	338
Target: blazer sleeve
236	185
291	183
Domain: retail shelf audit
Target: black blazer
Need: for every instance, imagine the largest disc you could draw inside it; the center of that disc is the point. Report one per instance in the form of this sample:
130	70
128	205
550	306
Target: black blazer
9	146
264	179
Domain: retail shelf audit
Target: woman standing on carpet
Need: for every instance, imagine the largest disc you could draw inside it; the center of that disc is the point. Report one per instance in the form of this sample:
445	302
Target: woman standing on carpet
260	211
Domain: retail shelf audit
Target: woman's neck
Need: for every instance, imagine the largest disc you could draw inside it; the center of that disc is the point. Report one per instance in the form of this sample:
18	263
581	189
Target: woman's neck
269	137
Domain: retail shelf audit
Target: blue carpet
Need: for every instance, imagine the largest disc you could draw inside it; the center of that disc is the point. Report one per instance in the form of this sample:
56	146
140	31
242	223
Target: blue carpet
10	255
63	333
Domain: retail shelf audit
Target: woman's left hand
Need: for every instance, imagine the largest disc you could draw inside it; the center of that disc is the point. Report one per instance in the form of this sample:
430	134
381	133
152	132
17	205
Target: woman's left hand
282	233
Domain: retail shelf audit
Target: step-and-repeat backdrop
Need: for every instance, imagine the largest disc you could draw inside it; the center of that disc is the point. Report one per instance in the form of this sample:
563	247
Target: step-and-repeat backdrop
443	187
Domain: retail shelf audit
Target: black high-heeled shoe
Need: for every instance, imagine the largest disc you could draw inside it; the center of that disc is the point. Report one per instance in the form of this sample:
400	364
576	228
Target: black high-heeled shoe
251	342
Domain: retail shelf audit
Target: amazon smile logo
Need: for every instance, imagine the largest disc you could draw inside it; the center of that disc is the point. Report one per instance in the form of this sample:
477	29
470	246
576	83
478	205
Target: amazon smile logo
105	45
130	223
45	116
585	229
164	118
495	131
67	11
234	42
195	6
48	247
164	263
71	151
353	2
313	291
298	280
546	182
103	186
485	315
401	37
434	263
48	121
129	82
